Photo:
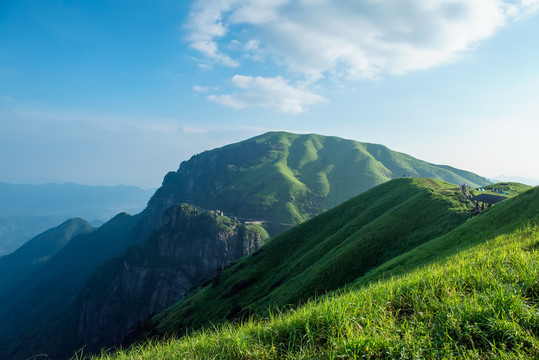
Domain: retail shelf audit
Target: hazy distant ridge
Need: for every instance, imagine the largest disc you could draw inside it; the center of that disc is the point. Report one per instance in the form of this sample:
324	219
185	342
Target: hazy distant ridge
88	202
27	210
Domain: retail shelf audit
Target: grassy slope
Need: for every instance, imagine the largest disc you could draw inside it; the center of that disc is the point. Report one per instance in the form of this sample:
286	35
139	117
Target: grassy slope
503	218
471	293
326	252
510	188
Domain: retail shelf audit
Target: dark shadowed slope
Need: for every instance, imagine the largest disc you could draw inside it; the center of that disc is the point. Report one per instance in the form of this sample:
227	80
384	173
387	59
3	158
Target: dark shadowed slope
35	253
192	245
58	282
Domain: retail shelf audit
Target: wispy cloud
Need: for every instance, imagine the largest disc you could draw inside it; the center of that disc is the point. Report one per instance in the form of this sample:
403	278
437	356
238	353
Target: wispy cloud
275	93
357	40
204	26
195	130
39	112
198	88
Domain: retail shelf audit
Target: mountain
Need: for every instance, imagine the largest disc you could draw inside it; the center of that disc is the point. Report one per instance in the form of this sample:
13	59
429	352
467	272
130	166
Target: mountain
35	253
285	178
27	210
468	292
275	180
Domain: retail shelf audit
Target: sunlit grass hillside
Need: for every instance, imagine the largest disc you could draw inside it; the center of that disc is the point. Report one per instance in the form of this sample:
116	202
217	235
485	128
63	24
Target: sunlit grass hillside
324	253
474	296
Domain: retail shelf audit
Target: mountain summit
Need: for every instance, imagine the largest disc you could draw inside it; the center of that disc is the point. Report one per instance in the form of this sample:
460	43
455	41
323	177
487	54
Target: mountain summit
285	178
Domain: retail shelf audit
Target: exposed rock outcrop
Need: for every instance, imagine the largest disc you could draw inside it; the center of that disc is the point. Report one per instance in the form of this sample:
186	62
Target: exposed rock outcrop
192	245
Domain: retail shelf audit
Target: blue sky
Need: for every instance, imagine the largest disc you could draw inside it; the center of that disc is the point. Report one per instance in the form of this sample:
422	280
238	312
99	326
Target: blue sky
120	92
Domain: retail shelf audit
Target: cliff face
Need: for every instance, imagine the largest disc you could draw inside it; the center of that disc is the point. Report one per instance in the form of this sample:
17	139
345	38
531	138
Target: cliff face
192	245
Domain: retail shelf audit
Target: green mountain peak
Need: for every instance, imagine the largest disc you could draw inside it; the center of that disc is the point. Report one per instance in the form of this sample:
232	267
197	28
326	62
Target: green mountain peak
285	178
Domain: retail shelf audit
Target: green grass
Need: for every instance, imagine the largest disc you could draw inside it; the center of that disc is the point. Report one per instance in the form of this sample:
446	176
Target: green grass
325	253
478	303
503	218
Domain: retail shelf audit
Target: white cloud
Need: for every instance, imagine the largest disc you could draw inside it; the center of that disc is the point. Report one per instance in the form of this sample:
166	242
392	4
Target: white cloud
352	39
198	88
195	130
159	128
263	92
232	101
205	25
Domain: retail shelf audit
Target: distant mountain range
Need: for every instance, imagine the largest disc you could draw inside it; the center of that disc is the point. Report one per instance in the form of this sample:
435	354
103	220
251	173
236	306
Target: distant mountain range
269	183
27	210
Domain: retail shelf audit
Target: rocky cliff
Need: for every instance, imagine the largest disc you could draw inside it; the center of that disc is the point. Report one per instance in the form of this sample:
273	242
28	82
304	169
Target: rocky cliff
192	245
